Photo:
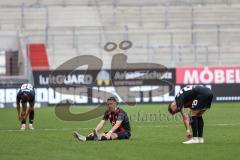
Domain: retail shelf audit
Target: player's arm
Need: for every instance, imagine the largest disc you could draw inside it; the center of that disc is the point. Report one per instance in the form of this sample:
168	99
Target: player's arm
102	122
186	122
18	108
18	111
100	125
28	112
116	126
30	108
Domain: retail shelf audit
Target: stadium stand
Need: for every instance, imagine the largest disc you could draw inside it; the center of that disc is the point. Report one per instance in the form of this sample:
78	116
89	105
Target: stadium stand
173	33
2	62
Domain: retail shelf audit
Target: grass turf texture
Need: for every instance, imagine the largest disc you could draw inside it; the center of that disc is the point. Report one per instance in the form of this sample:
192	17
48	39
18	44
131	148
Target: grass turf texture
154	136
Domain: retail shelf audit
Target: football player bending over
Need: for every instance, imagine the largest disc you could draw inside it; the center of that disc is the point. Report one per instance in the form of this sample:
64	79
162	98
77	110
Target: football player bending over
119	121
198	99
26	94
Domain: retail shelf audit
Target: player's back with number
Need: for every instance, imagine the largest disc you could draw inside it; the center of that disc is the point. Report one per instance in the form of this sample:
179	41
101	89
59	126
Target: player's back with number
28	90
187	95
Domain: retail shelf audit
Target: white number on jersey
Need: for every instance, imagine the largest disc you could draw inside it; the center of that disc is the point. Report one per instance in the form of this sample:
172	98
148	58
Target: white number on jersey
194	103
27	87
187	88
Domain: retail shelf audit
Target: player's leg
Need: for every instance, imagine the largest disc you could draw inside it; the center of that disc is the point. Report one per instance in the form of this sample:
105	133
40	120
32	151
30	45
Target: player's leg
199	105
78	136
95	136
117	135
197	125
101	136
23	116
92	136
113	137
204	103
31	115
196	115
194	126
200	126
121	135
196	107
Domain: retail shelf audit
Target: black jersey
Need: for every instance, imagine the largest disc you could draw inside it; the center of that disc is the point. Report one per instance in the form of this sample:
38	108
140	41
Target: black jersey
118	115
186	96
26	94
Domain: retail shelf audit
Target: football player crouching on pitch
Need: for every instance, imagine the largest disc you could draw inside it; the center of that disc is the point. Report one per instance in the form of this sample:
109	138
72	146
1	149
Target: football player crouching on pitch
119	121
198	99
26	94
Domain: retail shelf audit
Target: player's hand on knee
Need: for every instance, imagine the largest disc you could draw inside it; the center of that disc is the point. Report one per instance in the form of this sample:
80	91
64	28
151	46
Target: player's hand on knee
108	135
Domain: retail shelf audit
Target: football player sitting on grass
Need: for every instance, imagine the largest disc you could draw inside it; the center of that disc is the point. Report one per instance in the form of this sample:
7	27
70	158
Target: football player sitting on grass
119	121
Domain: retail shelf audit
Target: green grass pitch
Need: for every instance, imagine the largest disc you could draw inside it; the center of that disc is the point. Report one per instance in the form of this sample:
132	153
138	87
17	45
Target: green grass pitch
155	135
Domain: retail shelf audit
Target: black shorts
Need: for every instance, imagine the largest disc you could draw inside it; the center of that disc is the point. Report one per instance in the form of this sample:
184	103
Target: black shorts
202	102
30	100
123	135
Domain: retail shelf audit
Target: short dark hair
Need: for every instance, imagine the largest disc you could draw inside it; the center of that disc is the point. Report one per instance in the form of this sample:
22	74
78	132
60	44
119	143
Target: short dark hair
112	99
170	109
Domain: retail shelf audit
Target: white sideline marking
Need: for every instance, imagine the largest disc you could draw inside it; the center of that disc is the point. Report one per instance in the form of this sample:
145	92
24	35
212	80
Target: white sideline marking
179	125
145	126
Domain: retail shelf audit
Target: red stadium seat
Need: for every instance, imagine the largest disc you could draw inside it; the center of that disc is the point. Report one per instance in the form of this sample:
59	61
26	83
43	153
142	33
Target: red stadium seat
38	56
